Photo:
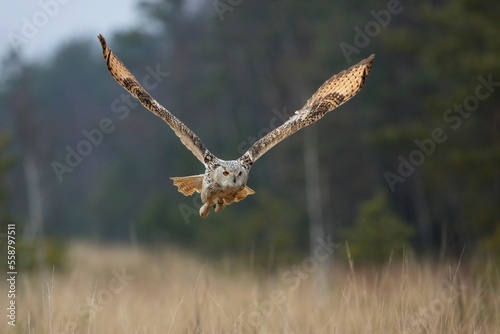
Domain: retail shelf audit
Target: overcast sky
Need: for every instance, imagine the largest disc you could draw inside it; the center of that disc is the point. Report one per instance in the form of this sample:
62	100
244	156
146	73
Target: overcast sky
39	26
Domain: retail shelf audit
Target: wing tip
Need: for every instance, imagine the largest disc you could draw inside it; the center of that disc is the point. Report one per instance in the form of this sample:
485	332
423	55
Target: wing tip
367	63
368	60
106	51
102	40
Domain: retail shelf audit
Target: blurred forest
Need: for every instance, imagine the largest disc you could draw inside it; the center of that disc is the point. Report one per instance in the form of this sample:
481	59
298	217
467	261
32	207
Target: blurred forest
412	161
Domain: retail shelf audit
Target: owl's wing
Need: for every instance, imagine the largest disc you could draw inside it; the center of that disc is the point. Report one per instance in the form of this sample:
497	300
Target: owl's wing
334	92
130	83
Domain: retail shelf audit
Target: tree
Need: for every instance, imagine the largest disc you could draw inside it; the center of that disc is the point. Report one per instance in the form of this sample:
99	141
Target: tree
378	233
448	52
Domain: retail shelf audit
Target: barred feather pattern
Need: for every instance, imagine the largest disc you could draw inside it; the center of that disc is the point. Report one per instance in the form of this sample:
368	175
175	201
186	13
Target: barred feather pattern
337	90
122	75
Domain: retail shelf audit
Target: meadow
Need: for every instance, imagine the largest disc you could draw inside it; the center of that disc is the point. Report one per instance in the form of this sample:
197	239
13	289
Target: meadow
120	289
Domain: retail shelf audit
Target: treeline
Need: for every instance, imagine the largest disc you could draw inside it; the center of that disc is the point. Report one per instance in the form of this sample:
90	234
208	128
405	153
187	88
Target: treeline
416	153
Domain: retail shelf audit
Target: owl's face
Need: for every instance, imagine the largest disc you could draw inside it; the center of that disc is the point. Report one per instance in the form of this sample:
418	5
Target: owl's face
231	174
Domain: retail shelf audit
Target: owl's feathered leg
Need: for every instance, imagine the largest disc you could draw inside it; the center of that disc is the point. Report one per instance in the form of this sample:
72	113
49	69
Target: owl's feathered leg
204	210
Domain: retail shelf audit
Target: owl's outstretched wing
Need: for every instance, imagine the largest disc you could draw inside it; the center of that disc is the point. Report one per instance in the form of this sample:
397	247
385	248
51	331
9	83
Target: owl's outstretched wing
334	92
130	83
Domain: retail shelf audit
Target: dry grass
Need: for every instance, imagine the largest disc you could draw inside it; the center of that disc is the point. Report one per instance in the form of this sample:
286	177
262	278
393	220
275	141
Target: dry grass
171	292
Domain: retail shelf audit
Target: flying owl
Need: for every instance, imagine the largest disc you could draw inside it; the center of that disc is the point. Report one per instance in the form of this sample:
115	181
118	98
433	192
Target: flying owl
225	182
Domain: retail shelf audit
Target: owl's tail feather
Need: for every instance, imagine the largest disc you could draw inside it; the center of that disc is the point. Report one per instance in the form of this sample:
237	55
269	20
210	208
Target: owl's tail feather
187	185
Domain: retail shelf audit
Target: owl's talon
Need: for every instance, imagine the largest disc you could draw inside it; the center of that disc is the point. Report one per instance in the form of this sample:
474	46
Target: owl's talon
219	206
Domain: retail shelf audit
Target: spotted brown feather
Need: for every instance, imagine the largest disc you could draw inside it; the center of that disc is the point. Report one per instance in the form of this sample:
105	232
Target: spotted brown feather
130	83
334	92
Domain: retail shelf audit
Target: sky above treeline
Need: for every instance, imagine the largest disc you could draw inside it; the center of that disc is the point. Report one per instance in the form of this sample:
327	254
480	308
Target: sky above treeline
37	28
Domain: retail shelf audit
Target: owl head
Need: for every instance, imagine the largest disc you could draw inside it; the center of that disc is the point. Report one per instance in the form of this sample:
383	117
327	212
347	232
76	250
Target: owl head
231	174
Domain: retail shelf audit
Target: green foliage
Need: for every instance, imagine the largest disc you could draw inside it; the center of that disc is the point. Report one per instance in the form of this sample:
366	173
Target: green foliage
29	255
161	221
7	161
446	47
5	219
43	253
378	232
265	237
491	245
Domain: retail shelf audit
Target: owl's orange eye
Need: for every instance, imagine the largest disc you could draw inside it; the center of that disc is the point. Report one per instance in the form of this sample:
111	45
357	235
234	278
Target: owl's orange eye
225	173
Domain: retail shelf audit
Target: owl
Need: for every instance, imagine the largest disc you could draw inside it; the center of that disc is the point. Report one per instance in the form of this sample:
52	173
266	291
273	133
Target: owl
225	181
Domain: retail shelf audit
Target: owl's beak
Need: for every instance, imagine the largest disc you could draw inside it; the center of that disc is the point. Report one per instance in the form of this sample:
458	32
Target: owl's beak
234	178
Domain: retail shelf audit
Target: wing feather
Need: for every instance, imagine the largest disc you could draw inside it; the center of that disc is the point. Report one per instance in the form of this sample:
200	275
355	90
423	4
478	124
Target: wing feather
334	92
123	76
243	193
188	185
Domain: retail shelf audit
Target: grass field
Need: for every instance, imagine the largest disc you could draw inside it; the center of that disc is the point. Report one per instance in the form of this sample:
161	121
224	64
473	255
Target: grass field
125	290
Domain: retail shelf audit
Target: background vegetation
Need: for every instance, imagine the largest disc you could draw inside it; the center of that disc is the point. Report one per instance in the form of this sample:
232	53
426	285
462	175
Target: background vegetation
233	67
126	290
402	184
